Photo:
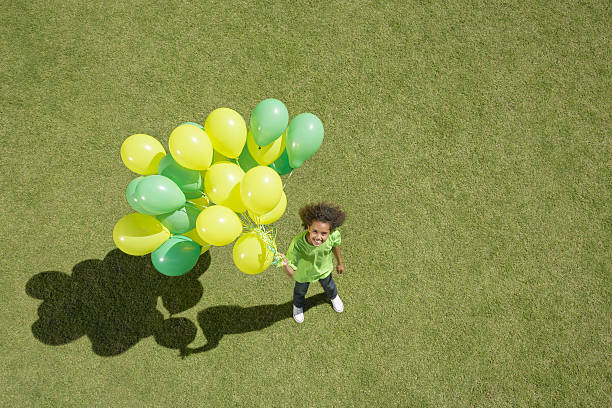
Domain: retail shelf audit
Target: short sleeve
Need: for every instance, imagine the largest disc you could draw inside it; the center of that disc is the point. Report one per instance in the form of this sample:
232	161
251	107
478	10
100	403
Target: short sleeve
292	256
335	238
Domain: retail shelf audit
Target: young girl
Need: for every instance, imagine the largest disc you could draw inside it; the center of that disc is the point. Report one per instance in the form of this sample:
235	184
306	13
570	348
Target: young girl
309	257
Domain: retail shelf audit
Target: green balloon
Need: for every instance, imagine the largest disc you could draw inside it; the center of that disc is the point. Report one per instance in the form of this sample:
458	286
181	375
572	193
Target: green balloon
304	137
281	165
177	256
189	181
193	123
159	195
217	157
181	220
269	120
246	161
132	197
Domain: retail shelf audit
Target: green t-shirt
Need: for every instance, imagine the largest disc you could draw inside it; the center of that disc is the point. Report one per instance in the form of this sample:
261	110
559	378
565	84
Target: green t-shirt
309	262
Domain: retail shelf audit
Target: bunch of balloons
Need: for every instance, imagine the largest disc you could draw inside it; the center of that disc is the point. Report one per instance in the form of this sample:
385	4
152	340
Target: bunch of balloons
219	183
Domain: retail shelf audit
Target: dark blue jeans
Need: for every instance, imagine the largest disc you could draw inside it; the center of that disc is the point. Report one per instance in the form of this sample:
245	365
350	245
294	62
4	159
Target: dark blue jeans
299	292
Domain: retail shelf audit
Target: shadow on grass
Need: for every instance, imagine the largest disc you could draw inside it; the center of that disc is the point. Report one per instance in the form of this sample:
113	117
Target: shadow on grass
114	303
218	321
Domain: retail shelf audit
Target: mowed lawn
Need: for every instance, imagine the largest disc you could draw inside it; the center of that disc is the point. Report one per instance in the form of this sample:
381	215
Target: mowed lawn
468	142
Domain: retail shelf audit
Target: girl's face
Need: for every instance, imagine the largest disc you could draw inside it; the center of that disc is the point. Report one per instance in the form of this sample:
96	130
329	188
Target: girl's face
317	233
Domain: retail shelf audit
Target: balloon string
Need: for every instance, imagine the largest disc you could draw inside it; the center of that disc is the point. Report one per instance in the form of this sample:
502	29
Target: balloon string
267	236
288	177
246	221
200	205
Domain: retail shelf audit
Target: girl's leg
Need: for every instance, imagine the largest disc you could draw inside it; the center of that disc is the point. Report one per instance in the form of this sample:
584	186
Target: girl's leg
299	294
329	286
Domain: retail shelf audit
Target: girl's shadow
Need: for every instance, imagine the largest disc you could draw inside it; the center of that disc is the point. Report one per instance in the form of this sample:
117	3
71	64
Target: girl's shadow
217	321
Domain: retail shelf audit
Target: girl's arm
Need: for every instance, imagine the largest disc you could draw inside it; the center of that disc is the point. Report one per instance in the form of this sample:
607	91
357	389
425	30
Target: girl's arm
340	267
288	270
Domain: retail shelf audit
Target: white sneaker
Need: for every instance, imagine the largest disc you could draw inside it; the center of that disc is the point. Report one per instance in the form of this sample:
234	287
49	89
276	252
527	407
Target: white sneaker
298	314
337	304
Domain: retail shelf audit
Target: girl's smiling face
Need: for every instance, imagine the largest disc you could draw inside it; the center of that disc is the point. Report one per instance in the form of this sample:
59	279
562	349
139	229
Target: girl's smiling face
317	233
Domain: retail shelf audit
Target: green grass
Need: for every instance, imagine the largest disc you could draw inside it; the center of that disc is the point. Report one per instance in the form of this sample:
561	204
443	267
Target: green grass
468	142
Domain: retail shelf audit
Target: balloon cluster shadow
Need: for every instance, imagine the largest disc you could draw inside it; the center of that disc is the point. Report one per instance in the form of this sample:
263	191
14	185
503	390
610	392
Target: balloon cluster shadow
114	303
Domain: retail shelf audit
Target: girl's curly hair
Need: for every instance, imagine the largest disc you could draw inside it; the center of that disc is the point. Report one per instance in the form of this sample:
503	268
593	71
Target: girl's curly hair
323	212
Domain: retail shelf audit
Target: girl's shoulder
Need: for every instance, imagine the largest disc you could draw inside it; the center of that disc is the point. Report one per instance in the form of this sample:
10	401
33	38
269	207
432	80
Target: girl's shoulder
335	237
298	240
300	236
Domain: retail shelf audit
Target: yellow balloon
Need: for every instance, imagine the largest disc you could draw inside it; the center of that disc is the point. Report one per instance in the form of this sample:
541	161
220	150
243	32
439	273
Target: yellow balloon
227	131
139	234
193	234
218	225
201	202
190	147
275	214
217	158
261	189
222	185
251	255
265	155
142	153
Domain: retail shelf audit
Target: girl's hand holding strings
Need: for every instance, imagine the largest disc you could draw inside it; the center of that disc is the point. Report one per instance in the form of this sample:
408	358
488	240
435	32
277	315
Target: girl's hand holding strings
284	259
